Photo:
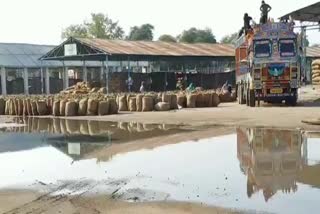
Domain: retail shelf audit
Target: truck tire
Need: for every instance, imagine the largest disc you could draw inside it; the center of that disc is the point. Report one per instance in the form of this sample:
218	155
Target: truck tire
247	97
292	101
252	98
240	97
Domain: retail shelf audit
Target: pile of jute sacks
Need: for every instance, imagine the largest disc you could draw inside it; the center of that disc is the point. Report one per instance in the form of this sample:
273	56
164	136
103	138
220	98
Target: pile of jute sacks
100	104
316	72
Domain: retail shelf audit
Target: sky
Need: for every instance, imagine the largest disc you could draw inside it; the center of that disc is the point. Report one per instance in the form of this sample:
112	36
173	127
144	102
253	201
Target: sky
42	21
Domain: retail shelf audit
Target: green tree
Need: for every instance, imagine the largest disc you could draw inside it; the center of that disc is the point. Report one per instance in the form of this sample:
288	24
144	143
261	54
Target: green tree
100	26
144	32
194	35
167	38
75	31
229	39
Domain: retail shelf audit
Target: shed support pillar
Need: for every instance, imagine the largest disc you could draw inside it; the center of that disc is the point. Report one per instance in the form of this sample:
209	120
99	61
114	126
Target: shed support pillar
85	72
47	81
3	81
65	78
26	81
107	73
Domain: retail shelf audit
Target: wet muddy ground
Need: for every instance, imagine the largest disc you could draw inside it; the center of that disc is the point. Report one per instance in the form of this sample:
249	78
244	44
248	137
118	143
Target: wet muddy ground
248	169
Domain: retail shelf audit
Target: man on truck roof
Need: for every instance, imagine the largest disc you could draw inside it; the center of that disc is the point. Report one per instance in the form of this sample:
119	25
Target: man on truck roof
265	9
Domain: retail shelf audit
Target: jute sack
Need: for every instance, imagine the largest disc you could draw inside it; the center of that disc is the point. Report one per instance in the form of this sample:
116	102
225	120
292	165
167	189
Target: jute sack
7	107
92	108
2	106
34	108
225	97
25	109
316	62
62	109
200	101
316	71
315	67
132	104
56	108
139	102
123	103
147	103
182	100
317	79
166	98
103	108
207	100
174	101
113	108
12	109
215	100
103	90
191	100
315	75
16	105
49	105
20	107
82	110
29	108
162	106
42	107
71	109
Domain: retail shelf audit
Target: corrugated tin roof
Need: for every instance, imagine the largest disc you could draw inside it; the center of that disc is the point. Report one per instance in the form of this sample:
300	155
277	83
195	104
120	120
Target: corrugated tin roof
27	55
313	52
310	13
151	48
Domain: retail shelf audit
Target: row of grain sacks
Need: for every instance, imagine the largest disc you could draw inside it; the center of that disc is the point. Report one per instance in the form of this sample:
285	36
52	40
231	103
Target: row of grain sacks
91	105
166	101
316	72
79	127
22	106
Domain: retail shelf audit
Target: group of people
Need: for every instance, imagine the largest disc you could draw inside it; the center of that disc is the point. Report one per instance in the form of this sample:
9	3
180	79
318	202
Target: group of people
265	9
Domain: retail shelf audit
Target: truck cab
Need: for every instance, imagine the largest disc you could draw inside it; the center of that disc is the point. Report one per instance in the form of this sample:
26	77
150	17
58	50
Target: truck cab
267	65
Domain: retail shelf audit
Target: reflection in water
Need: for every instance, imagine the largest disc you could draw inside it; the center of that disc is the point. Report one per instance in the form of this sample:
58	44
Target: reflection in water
271	159
75	137
273	164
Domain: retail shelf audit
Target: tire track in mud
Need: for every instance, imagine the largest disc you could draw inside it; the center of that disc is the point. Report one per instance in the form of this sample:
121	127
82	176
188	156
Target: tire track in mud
54	198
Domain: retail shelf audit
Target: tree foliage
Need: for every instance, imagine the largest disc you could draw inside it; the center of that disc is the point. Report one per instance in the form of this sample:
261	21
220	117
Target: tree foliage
229	39
167	38
100	26
144	32
194	35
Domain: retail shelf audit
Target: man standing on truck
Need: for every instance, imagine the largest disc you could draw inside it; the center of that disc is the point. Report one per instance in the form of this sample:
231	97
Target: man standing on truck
265	9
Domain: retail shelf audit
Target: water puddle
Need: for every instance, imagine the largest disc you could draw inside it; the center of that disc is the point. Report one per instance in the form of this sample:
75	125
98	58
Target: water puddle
267	170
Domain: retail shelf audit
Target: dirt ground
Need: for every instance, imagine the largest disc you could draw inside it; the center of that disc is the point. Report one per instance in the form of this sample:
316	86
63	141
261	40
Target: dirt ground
30	202
209	122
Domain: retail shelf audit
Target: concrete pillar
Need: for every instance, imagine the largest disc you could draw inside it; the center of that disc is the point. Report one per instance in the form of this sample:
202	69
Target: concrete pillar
101	71
92	74
85	72
26	81
65	78
3	81
47	80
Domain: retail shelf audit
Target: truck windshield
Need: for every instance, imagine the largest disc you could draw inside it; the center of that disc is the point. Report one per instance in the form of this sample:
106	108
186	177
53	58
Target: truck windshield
287	47
262	48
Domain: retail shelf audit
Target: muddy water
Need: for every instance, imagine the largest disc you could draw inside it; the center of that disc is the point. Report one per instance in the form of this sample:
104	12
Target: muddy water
265	170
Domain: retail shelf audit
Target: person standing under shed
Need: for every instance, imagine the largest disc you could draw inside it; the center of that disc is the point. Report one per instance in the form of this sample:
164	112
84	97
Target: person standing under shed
142	89
265	9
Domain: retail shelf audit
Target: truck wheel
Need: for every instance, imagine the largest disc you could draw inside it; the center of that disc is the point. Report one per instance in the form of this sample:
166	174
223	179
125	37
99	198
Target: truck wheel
252	98
240	97
292	101
247	97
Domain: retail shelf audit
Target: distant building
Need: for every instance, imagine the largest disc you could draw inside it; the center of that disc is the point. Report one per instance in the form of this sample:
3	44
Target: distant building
23	72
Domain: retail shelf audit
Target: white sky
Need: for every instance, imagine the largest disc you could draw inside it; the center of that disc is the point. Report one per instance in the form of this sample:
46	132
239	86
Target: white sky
41	21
